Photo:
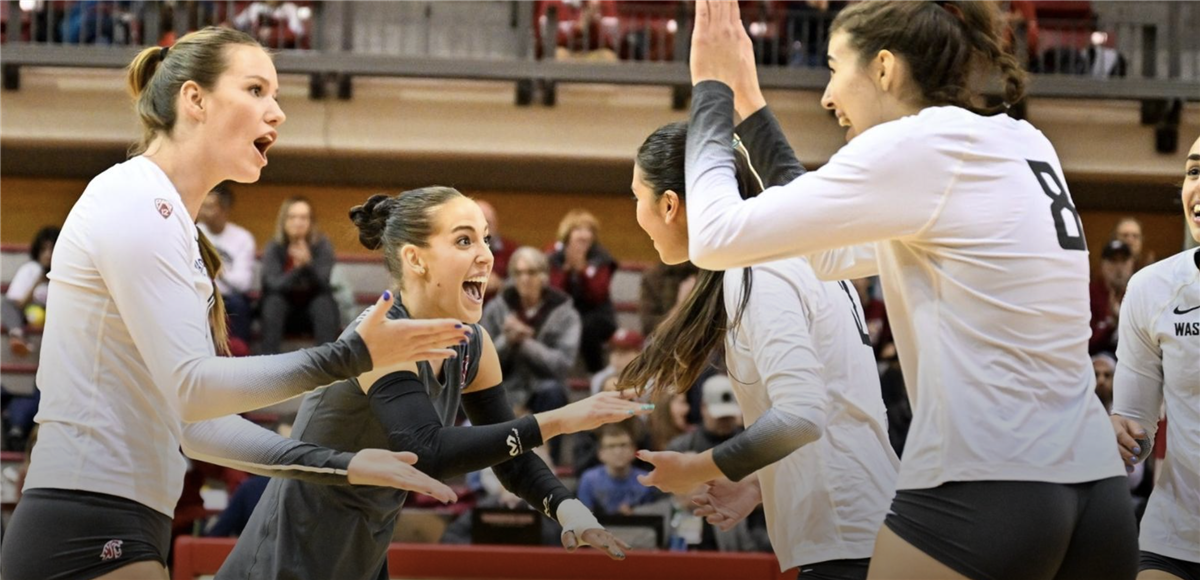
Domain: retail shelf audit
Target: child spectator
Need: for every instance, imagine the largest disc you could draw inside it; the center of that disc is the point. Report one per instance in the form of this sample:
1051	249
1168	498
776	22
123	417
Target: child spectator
613	488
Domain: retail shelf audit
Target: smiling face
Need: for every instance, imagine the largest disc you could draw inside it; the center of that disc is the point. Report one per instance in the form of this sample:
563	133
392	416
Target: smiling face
663	218
241	114
864	92
457	261
1190	192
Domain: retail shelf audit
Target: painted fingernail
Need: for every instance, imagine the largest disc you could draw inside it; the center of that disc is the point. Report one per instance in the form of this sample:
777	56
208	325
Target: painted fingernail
387	294
1137	450
1133	460
648	407
463	343
630	411
457	326
1128	469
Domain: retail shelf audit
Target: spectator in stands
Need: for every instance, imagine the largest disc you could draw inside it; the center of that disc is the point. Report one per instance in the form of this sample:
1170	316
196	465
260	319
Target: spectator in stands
1116	267
536	332
583	269
660	292
1105	365
236	246
502	250
1129	230
721	418
613	488
25	302
296	269
623	347
275	24
587	29
668	422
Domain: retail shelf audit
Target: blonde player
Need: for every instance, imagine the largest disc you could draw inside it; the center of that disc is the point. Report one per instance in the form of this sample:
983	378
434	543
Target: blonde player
128	370
984	269
1158	357
816	452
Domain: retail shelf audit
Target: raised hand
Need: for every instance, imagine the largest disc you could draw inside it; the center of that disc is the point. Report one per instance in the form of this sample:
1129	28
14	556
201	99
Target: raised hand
390	469
599	409
724	503
721	49
396	341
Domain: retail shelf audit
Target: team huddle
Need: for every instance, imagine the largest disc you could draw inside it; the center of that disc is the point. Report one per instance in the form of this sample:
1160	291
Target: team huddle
1012	467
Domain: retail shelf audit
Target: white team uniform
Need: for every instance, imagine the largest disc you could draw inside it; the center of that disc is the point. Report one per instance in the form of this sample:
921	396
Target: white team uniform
983	268
127	352
1159	357
800	351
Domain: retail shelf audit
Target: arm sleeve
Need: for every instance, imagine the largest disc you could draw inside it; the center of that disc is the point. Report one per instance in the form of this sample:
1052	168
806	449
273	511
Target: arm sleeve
773	158
240	273
555	360
776	329
841	204
237	443
526	475
401	404
1138	381
149	273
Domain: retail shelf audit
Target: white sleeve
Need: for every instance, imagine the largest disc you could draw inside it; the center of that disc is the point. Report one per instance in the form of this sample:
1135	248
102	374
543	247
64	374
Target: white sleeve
148	269
845	263
776	329
1138	382
240	274
24	281
887	183
235	442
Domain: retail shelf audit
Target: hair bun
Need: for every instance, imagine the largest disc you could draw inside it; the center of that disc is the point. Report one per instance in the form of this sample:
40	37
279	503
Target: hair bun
371	219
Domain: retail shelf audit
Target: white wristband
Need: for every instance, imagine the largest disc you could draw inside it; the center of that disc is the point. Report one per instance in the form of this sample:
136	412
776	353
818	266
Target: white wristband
575	517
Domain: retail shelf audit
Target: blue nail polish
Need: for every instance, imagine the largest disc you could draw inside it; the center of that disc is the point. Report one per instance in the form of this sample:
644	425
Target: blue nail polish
463	343
387	294
630	411
648	407
1137	450
1128	469
457	326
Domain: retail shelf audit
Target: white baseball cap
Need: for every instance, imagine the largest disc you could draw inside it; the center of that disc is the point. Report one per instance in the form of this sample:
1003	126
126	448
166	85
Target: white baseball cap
719	399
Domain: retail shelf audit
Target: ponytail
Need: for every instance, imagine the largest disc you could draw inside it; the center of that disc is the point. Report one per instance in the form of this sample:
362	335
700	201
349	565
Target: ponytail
216	316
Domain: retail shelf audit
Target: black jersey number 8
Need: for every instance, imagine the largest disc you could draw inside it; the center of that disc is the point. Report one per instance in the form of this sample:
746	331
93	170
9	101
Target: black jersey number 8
1061	206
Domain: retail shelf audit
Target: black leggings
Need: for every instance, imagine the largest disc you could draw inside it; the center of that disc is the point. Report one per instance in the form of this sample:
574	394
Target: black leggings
1001	530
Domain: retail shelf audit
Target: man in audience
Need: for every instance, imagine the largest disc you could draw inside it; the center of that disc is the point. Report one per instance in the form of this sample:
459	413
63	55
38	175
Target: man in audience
502	250
721	418
1129	230
536	332
1104	365
623	347
236	246
613	488
1116	267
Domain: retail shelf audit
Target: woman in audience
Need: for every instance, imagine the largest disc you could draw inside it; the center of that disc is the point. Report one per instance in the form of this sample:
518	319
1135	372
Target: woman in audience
129	370
583	269
25	301
296	267
434	242
1157	360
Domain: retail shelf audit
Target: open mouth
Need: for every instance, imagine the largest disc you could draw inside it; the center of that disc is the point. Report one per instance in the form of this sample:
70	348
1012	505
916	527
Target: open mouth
473	288
263	143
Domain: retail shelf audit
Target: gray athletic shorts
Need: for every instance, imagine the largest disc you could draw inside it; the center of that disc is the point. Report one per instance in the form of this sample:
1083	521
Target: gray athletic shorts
59	534
835	570
1000	530
1181	568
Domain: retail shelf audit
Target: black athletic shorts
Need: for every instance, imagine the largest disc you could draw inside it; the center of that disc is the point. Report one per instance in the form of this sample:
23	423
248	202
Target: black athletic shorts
836	570
1000	530
60	534
1181	568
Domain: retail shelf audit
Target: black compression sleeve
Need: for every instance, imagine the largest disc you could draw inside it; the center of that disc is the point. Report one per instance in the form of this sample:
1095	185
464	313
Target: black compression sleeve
770	153
400	402
525	475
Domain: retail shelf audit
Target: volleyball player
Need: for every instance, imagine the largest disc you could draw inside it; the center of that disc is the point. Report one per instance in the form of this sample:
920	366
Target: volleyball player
984	268
816	452
435	243
128	370
1158	357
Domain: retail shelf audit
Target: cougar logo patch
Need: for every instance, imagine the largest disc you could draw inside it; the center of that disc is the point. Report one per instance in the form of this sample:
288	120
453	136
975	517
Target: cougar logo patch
514	444
112	550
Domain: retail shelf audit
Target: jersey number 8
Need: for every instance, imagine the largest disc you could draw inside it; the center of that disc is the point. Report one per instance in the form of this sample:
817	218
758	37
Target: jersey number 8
1070	233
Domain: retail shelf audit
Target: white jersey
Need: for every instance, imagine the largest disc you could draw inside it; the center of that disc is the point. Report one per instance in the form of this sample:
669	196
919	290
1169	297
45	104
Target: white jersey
1159	357
802	350
984	271
127	353
236	246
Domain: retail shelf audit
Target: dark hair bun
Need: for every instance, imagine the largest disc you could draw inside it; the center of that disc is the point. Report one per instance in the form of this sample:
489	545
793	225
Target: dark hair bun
371	219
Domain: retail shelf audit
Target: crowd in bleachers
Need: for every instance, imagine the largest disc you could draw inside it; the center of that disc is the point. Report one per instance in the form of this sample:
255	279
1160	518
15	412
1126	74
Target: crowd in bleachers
552	317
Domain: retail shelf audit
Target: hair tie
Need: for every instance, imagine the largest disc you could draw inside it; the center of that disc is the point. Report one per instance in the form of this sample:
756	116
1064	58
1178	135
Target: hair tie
162	53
